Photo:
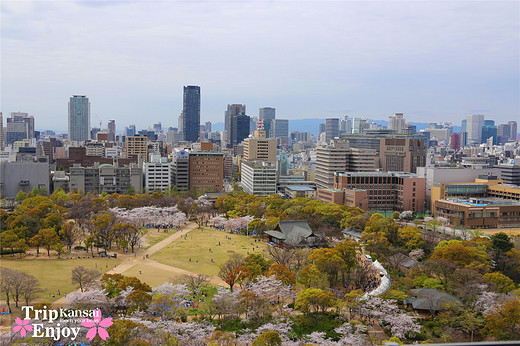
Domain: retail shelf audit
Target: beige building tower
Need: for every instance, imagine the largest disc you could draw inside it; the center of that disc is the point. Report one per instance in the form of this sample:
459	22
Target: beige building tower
259	147
137	146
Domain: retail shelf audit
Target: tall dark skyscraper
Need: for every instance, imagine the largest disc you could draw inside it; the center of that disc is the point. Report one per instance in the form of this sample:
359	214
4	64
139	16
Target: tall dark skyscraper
191	113
236	129
79	118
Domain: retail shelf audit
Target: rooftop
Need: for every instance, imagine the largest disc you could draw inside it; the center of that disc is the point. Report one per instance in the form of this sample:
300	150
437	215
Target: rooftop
299	188
377	174
482	202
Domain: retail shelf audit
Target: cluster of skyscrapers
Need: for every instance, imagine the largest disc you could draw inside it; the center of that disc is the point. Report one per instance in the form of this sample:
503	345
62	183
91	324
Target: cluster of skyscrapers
373	165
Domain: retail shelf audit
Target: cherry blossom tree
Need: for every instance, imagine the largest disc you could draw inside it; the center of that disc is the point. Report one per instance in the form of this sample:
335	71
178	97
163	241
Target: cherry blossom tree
91	299
406	215
218	221
386	312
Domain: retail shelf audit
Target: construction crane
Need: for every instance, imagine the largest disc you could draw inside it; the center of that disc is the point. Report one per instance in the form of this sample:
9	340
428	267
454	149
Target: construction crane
99	121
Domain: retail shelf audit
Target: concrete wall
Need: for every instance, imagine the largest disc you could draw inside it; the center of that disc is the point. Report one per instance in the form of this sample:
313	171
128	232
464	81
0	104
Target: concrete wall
12	173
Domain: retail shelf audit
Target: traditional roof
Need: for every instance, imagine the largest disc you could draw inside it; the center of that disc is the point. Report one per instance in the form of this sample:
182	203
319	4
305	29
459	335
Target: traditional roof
430	299
403	260
292	231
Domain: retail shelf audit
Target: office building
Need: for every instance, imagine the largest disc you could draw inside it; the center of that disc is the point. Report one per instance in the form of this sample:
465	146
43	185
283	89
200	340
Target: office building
206	171
474	128
1	132
489	130
267	115
233	111
507	132
111	131
479	212
402	154
191	113
258	178
20	126
345	125
240	129
25	171
107	178
455	141
360	125
280	128
181	169
331	129
259	147
130	131
137	146
339	156
377	191
79	118
207	126
158	174
397	123
510	172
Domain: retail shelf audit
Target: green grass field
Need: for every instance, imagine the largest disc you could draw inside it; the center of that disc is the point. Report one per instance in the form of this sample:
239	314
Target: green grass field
151	275
196	246
55	274
152	237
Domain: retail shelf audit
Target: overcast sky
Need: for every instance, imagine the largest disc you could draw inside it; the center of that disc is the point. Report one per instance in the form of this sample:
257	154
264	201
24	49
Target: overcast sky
433	61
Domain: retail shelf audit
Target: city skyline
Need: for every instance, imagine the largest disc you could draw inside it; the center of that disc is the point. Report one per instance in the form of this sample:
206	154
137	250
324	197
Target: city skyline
427	60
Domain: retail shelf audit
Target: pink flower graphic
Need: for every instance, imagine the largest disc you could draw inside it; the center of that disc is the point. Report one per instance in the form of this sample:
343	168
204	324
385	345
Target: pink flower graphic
97	326
22	326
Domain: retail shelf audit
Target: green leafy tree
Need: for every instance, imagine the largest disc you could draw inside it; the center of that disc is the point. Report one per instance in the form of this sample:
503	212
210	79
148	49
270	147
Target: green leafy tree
9	239
499	282
20	196
49	239
269	338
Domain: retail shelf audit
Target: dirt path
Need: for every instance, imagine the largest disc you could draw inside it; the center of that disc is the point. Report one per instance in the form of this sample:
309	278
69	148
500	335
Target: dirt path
130	262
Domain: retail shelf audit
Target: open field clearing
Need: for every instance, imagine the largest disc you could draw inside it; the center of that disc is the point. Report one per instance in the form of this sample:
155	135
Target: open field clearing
55	274
196	246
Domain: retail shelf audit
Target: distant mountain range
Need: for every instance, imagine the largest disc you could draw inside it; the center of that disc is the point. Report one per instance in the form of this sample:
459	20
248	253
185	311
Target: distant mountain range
312	125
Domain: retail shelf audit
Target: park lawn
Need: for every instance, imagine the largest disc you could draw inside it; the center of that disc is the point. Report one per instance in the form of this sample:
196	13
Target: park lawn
152	237
196	245
55	274
151	275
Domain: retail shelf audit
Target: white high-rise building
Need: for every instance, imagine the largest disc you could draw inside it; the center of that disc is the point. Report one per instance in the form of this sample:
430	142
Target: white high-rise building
158	174
474	128
397	122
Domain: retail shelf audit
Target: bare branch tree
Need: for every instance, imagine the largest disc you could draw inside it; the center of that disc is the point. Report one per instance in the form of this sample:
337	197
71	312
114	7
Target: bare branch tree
84	277
281	256
194	282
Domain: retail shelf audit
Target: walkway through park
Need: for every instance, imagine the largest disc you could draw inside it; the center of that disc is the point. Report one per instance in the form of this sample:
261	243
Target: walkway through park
143	258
